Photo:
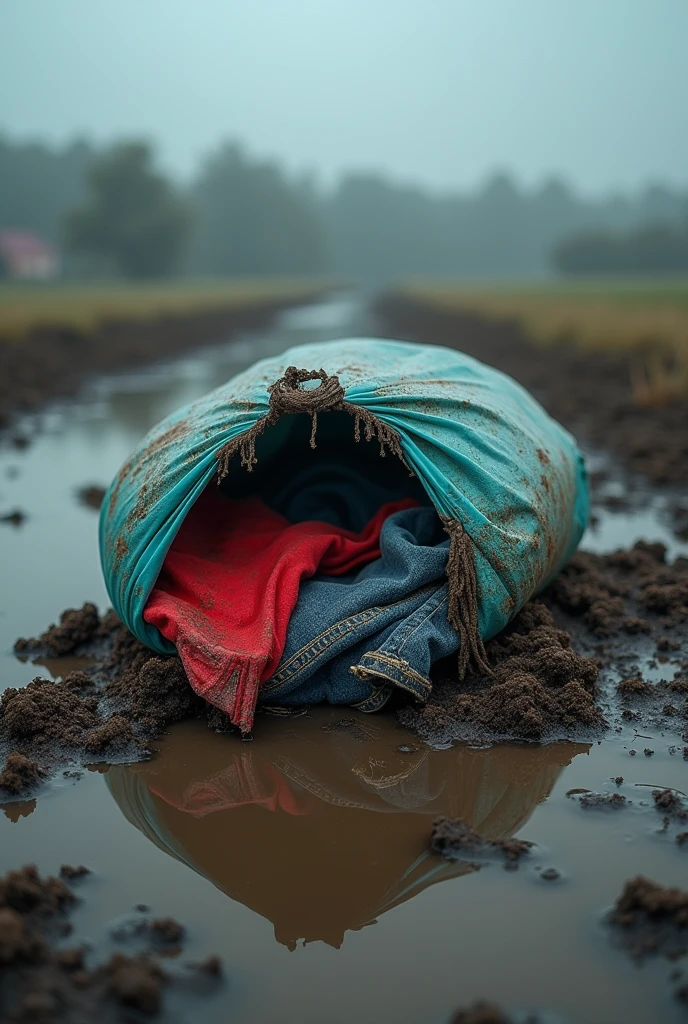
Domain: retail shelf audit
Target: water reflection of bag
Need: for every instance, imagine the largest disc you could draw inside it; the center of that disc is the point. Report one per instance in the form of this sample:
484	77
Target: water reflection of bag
508	480
305	805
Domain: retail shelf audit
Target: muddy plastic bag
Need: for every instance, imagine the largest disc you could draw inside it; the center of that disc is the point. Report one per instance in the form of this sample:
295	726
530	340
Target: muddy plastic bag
507	481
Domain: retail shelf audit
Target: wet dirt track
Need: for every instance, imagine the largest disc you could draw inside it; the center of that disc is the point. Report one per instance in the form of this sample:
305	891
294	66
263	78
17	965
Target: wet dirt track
303	858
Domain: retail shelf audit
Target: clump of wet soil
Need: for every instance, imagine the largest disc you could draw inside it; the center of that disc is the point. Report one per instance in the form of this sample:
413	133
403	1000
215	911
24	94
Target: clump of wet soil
42	711
109	712
76	628
596	596
19	774
47	720
670	803
540	688
481	1013
490	1013
674	810
148	689
16	517
43	979
91	496
649	919
602	801
544	685
454	839
603	611
610	591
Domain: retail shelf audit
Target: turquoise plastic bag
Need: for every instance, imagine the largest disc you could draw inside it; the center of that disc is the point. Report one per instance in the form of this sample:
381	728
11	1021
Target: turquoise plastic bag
486	453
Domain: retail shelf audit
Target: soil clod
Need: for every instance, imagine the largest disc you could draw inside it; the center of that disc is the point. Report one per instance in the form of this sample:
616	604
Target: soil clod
91	496
540	687
650	919
19	774
456	840
43	981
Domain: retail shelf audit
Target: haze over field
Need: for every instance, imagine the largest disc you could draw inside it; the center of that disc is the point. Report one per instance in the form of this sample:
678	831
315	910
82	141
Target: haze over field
439	92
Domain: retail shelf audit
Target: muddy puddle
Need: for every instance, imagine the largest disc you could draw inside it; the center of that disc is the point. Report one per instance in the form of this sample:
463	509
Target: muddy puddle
303	858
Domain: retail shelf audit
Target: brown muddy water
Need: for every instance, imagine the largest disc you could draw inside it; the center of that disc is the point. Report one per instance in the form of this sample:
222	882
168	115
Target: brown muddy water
303	858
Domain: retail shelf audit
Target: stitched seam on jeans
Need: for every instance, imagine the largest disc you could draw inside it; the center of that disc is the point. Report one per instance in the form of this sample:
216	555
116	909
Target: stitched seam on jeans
296	774
402	684
402	665
416	627
378	698
422	622
308	653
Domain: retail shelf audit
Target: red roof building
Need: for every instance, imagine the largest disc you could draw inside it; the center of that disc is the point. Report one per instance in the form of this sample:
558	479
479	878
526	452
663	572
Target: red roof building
25	256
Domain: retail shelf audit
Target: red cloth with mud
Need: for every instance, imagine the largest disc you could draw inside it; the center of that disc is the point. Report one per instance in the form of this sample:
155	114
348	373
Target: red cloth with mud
242	784
230	582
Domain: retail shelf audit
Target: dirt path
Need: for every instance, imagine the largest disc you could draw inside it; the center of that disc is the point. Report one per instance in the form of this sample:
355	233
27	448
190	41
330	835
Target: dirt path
54	360
588	391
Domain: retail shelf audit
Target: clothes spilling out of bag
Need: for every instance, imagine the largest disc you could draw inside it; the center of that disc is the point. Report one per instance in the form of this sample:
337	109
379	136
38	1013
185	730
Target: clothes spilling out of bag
329	523
267	607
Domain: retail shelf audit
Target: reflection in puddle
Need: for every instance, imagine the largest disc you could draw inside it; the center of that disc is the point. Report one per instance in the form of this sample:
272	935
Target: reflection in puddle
323	824
18	809
60	667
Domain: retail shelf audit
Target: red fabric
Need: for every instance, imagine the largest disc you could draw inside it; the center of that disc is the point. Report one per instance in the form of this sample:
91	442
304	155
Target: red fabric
230	582
243	783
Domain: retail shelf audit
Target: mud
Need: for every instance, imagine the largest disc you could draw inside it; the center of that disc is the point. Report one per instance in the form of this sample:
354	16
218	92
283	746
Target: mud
649	919
490	1013
54	360
45	976
602	612
481	1013
540	687
14	518
77	626
91	496
127	696
602	801
673	806
19	774
343	803
545	684
588	391
150	690
611	591
455	840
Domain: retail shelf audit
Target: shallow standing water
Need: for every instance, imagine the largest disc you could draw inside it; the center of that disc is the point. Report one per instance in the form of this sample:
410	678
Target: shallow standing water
302	858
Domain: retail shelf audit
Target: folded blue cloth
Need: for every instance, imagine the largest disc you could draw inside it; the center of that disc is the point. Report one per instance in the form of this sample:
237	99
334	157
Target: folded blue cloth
353	639
340	487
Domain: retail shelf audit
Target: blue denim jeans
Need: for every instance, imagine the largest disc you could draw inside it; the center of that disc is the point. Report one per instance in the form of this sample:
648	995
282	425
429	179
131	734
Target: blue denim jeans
353	639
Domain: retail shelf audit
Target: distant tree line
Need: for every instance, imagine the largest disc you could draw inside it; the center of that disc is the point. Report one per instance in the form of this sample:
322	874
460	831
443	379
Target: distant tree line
112	211
650	249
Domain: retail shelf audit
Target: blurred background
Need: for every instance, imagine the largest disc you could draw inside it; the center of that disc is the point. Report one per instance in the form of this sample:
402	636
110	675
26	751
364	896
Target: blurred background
509	155
358	138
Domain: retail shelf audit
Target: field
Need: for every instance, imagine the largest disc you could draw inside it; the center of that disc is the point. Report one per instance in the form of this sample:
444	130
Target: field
393	829
84	308
646	318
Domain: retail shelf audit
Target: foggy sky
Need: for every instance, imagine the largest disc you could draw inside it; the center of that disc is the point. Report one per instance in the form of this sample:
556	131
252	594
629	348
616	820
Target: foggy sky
441	92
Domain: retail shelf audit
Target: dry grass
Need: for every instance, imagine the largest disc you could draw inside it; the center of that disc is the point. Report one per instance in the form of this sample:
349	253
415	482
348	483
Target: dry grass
647	319
23	307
